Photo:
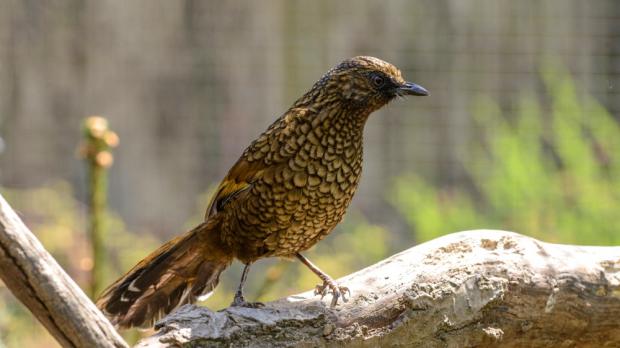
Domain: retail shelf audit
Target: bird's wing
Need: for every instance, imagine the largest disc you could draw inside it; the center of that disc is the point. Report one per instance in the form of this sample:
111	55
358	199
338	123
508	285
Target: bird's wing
251	166
239	179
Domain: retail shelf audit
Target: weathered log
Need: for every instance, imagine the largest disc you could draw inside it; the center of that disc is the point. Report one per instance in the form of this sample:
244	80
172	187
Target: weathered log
469	289
35	278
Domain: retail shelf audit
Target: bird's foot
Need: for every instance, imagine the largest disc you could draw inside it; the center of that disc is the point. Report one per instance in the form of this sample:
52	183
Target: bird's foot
337	291
239	301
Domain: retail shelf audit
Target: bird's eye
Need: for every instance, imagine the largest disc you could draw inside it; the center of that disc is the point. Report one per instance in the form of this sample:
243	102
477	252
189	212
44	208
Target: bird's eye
378	81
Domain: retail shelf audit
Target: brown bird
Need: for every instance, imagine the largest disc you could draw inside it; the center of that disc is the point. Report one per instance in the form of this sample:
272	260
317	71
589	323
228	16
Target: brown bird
289	189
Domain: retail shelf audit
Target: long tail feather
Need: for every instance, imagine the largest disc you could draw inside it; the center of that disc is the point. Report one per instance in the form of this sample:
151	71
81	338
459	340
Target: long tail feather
177	273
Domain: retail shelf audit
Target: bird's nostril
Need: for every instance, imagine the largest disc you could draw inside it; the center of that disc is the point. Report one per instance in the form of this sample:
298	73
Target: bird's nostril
410	88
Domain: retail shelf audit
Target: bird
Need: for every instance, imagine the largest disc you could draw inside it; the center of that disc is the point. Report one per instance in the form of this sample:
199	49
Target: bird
288	190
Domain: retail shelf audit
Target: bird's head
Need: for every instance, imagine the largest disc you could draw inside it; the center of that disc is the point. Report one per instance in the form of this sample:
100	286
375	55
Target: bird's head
365	82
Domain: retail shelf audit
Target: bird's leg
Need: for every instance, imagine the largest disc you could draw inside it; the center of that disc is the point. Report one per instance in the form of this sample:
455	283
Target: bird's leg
239	301
328	283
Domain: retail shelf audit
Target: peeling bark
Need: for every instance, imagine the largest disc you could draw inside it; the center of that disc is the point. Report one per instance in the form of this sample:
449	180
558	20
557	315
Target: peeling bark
470	289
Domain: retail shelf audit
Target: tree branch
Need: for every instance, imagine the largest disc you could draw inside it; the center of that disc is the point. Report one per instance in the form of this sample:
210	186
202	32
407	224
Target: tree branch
35	278
476	288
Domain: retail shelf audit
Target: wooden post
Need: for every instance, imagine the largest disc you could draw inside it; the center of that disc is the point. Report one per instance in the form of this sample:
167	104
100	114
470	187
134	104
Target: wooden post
95	149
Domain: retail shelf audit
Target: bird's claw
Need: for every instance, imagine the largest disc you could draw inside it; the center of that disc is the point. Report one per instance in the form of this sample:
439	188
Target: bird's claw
336	290
241	302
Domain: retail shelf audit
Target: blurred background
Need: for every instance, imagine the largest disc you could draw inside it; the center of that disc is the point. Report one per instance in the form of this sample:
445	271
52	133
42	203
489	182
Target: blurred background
520	131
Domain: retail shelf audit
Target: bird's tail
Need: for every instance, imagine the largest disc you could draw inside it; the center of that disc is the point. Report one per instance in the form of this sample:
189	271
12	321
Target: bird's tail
179	272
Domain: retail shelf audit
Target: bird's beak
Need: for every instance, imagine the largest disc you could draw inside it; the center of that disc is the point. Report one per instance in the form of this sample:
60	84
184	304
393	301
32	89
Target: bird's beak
410	88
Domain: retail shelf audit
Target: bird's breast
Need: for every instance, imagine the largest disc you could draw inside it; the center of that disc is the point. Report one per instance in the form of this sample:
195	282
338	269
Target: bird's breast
303	193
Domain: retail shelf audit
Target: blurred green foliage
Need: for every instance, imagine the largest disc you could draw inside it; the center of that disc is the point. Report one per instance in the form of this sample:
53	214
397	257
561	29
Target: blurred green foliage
550	170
